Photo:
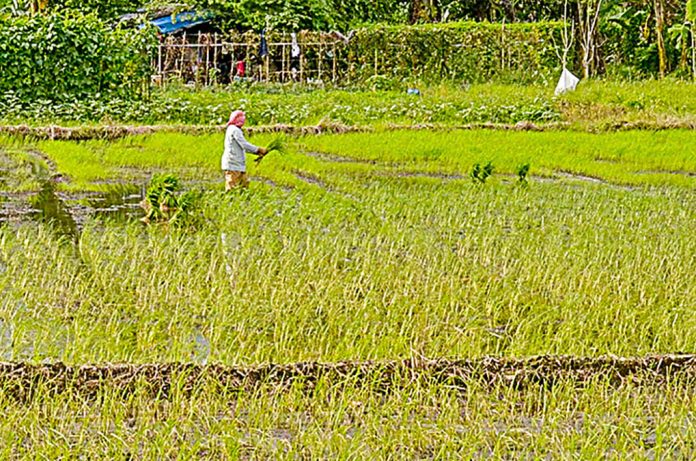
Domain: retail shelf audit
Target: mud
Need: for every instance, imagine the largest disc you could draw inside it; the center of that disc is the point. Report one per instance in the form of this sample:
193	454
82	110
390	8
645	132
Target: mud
332	158
427	174
311	179
688	174
68	212
580	177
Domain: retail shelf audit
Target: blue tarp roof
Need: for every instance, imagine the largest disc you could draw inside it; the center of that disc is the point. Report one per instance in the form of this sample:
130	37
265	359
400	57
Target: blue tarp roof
184	20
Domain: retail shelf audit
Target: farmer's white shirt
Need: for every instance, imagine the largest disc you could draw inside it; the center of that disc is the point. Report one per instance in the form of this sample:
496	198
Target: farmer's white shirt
233	159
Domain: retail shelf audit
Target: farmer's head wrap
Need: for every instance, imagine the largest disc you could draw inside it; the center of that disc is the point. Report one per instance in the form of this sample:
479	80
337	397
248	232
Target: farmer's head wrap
237	118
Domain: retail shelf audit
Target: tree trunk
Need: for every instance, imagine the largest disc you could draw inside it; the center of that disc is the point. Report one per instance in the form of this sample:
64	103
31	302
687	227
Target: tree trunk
693	52
588	18
659	27
424	11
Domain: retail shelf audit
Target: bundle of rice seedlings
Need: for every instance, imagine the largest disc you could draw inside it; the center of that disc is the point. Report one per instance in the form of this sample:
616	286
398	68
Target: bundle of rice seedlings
277	145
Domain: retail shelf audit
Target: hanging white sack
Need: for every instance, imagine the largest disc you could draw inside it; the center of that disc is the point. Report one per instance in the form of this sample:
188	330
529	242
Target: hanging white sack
567	82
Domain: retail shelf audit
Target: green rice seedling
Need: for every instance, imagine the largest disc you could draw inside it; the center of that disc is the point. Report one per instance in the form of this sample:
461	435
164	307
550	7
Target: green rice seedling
394	257
278	144
165	204
479	174
523	175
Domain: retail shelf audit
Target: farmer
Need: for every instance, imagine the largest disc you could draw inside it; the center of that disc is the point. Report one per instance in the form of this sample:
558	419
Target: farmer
233	159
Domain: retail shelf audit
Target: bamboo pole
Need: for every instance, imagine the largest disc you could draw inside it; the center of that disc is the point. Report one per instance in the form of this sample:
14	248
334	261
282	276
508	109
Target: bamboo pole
320	60
215	58
333	71
375	61
181	59
159	63
282	68
206	77
247	64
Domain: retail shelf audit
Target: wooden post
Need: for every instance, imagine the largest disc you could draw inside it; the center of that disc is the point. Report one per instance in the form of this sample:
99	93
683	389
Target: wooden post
215	57
197	59
248	68
159	62
321	59
207	60
375	61
502	46
283	54
181	60
333	55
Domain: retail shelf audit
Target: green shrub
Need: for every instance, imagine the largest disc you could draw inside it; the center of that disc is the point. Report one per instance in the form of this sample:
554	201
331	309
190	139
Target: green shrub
68	57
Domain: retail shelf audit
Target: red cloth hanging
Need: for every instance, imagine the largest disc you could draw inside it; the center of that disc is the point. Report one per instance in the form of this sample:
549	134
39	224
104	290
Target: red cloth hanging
241	68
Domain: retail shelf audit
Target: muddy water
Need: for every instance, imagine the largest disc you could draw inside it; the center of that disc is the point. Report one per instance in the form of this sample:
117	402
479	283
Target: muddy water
67	213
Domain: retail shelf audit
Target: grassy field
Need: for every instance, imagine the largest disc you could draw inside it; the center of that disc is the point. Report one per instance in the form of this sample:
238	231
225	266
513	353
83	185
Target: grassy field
372	246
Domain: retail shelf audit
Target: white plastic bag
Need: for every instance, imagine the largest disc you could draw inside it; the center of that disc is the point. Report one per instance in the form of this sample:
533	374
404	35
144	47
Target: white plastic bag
567	82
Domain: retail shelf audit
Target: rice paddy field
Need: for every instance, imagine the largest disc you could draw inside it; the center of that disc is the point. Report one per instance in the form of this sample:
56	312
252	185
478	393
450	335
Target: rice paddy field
366	298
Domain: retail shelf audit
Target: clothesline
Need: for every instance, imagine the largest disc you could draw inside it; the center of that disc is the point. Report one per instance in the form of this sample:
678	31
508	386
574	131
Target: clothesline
231	44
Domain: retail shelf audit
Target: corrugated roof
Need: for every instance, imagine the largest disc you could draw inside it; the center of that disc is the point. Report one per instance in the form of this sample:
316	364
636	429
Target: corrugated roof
180	21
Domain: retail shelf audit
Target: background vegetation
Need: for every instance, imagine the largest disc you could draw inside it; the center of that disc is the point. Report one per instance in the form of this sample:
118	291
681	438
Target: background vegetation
68	57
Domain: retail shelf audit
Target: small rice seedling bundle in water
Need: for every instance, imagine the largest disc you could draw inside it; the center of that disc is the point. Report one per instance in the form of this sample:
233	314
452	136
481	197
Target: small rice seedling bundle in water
163	203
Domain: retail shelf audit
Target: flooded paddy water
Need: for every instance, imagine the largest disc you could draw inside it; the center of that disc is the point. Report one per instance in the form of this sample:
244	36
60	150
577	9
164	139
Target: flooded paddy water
32	190
67	212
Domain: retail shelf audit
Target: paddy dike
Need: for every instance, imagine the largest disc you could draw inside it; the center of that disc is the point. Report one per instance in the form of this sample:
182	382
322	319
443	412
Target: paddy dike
21	379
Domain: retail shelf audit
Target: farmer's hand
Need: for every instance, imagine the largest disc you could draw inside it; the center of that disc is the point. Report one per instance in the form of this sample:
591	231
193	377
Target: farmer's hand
262	151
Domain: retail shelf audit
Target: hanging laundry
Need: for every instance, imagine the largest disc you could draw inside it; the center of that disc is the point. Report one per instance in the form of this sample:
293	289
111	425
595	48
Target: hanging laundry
241	69
263	51
294	57
295	47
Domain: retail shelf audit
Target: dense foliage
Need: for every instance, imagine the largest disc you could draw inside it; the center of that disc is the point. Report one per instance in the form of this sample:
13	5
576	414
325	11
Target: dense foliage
108	9
68	57
467	51
303	14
